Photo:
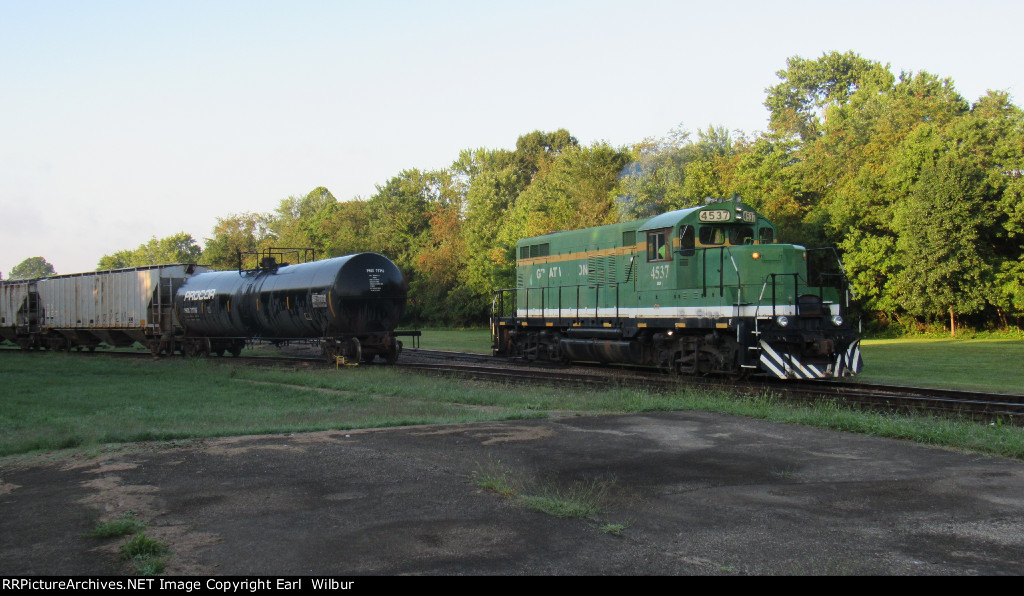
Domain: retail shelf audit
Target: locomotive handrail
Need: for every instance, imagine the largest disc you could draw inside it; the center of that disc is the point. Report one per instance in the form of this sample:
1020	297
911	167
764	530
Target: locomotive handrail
843	278
722	250
797	278
499	299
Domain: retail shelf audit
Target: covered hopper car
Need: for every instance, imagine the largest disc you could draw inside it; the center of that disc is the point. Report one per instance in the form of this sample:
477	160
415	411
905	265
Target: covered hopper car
694	291
83	310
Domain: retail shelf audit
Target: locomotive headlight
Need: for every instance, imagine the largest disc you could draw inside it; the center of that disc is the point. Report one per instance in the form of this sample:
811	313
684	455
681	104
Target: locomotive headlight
837	320
782	320
756	255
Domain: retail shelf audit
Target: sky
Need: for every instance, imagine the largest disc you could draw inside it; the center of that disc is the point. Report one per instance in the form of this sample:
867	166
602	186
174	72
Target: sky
121	121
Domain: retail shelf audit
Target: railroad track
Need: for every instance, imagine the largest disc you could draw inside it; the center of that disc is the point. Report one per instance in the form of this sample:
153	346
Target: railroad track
987	406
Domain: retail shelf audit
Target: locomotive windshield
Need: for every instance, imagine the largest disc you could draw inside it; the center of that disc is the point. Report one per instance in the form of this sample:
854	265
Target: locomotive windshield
741	235
717	235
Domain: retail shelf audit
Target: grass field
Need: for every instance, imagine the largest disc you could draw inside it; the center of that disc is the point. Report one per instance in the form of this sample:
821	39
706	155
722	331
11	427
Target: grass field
982	365
53	401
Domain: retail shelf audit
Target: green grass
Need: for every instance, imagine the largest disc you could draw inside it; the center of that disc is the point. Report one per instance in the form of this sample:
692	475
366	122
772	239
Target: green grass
576	500
51	401
146	554
995	365
613	529
122	525
495	478
459	340
580	499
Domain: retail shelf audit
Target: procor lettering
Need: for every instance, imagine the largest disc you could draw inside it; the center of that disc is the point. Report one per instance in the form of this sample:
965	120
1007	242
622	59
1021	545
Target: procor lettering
200	294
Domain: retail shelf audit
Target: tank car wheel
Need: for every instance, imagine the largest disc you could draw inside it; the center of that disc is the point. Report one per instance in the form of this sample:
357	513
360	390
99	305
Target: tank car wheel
394	349
357	350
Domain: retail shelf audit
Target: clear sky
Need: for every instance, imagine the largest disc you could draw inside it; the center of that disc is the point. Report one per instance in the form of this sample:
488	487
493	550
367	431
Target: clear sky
125	120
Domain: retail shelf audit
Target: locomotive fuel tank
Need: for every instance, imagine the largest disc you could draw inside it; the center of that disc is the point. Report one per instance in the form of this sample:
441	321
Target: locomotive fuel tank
358	297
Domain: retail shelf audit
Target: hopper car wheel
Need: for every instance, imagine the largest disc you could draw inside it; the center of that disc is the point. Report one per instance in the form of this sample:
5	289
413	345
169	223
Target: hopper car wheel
58	344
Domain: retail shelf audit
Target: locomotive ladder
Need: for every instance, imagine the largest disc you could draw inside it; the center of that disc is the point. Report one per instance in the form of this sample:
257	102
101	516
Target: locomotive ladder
754	351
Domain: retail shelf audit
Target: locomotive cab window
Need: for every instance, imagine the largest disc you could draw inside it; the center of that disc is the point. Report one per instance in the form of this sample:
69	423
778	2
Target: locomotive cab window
657	246
687	245
765	236
712	235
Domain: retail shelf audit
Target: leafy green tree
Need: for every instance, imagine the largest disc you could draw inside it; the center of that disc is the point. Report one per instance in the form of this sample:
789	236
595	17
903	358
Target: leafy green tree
675	172
398	215
576	190
304	222
808	87
235	234
176	248
765	171
491	181
32	268
348	230
944	265
121	259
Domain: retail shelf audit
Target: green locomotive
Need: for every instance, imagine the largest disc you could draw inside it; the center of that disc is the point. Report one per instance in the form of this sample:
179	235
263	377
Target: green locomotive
695	291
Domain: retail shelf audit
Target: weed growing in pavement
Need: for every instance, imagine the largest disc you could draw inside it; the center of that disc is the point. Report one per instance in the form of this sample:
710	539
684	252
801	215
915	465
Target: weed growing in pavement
148	556
613	529
145	553
580	499
494	478
124	524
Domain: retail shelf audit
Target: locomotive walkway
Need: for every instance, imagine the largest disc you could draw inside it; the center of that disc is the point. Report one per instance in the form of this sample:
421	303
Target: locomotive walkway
675	493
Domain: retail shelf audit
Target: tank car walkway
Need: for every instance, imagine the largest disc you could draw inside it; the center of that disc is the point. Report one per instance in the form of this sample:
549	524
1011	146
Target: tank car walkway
678	493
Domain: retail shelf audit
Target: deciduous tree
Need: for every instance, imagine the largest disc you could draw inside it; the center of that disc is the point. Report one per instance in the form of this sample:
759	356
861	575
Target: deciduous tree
32	268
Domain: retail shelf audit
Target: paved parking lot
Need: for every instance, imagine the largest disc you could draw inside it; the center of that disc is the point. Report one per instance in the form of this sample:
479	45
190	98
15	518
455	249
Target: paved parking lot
676	493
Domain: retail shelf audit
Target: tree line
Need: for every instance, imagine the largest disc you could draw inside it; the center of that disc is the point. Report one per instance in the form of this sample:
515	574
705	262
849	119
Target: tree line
919	189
